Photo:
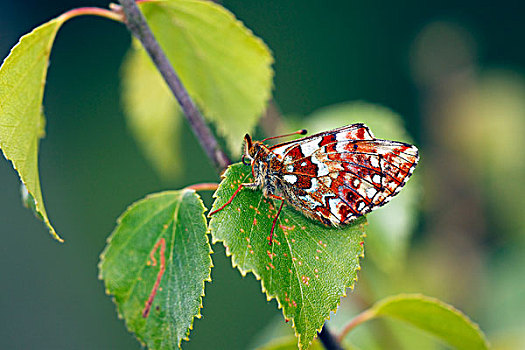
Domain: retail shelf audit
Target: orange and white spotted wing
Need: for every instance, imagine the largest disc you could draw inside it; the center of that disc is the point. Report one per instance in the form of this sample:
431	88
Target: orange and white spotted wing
339	175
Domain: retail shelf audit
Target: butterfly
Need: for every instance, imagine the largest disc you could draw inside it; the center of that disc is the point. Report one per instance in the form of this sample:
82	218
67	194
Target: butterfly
333	177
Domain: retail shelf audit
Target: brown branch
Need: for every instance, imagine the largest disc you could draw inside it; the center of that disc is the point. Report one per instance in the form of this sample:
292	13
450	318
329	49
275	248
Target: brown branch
137	25
329	341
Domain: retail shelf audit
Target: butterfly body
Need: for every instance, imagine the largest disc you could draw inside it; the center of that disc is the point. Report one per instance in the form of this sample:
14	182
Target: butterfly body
333	177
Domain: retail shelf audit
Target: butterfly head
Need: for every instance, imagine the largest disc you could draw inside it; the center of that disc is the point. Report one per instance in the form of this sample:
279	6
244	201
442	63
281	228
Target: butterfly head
251	149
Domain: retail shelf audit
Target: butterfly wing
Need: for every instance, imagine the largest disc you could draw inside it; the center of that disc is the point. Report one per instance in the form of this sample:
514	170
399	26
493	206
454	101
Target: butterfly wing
340	175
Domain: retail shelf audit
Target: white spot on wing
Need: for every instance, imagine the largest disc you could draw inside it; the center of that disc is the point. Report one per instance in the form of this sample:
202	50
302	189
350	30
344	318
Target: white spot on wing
412	151
376	178
341	136
340	147
327	196
334	202
350	218
370	192
315	186
311	202
322	167
290	178
280	151
374	162
289	168
310	147
327	181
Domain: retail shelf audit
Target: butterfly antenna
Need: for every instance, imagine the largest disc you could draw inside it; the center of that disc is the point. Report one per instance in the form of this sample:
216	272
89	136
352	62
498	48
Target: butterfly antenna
298	132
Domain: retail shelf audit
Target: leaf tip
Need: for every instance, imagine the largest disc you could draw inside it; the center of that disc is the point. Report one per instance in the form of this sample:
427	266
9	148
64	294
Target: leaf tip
53	232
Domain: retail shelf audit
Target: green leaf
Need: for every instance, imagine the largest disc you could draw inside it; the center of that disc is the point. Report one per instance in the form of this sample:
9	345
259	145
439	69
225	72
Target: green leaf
22	80
435	317
129	272
225	68
152	113
391	226
288	343
307	268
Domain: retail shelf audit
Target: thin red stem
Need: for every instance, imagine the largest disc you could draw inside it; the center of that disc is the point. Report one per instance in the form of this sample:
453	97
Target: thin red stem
206	186
95	11
356	321
149	302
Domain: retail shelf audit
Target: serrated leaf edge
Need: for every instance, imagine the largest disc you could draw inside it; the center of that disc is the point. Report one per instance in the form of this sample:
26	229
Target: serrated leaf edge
207	279
108	241
269	297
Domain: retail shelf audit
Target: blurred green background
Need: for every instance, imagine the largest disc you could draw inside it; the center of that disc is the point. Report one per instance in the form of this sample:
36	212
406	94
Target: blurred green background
453	70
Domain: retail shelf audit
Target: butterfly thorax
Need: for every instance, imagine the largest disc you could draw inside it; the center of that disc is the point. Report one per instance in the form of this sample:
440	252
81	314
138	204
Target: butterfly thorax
266	167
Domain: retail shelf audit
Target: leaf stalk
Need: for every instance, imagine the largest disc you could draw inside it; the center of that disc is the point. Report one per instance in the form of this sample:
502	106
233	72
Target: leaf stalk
94	11
356	321
206	186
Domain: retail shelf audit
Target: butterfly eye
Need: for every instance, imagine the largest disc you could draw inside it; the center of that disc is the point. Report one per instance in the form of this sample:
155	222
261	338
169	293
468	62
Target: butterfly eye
243	160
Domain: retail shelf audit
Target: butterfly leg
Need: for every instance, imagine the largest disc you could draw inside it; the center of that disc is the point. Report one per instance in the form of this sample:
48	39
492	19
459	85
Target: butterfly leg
232	197
276	216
